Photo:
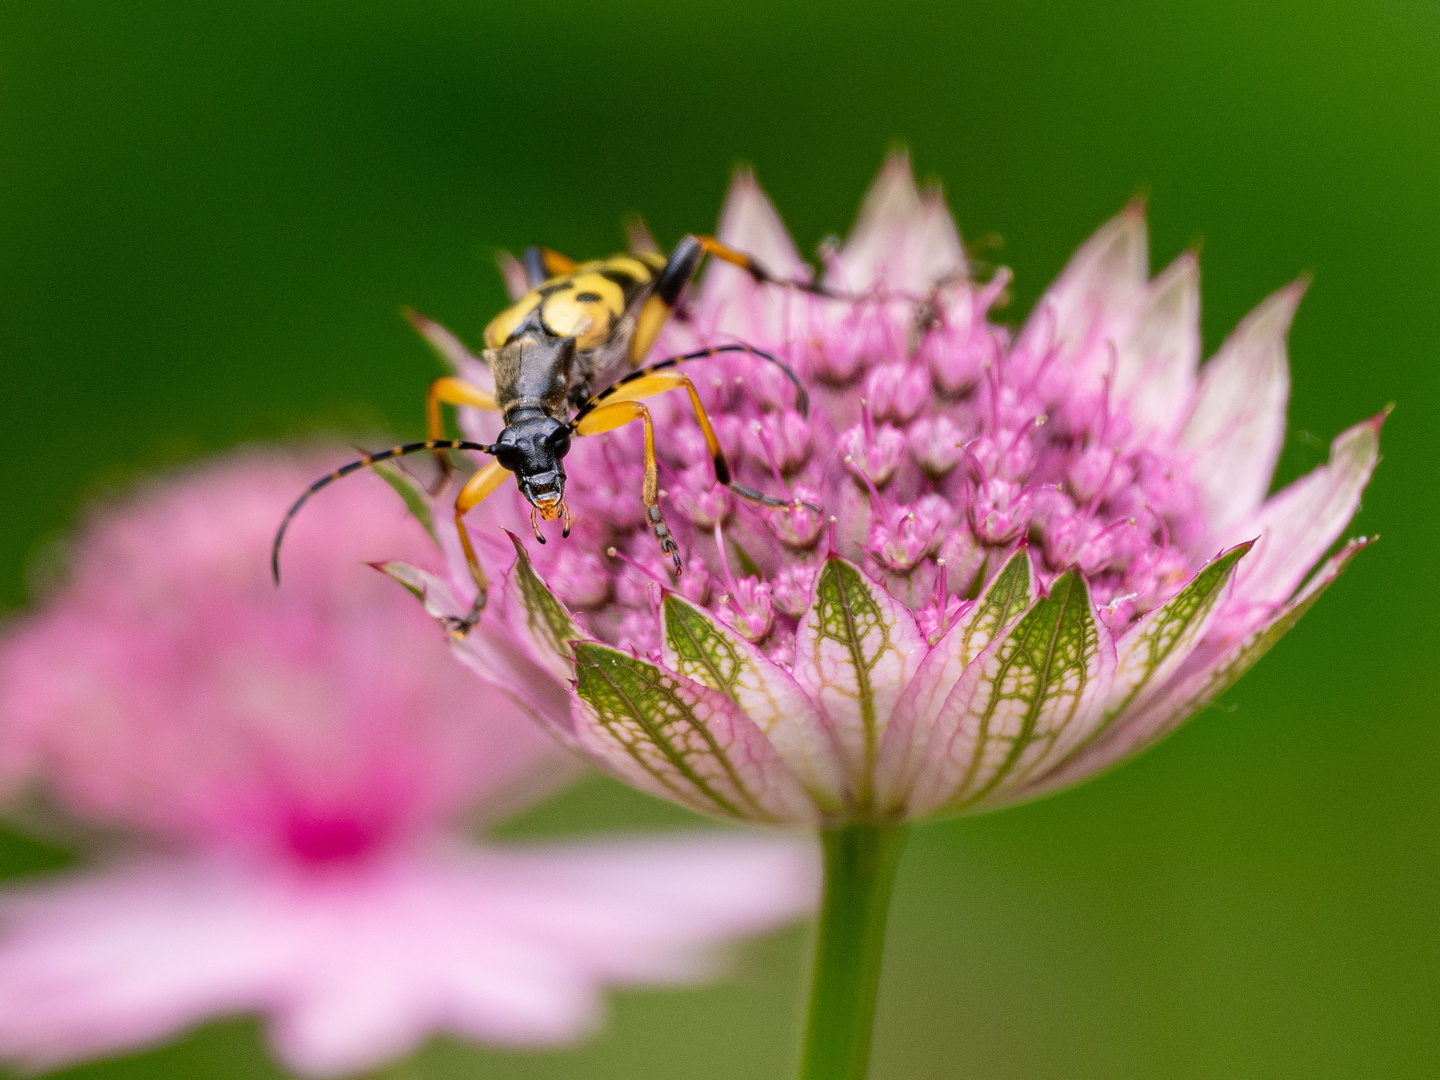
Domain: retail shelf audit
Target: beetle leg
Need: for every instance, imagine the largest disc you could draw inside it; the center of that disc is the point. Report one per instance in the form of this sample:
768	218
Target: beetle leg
542	264
449	390
680	269
649	382
471	495
614	414
802	399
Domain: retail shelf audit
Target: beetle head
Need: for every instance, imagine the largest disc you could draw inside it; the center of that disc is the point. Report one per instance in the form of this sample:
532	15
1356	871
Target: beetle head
532	448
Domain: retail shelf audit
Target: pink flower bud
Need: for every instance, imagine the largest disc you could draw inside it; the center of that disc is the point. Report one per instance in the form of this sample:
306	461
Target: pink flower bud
779	439
791	588
1090	472
957	360
696	495
876	456
1000	512
797	526
901	537
580	578
897	392
936	445
750	608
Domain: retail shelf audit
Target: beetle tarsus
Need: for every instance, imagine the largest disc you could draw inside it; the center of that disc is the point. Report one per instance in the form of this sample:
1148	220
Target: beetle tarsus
460	628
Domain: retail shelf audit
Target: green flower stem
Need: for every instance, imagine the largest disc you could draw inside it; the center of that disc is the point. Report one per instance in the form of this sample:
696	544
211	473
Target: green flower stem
860	863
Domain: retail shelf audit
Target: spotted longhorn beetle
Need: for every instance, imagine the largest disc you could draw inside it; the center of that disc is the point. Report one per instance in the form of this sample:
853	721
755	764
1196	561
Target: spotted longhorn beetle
567	360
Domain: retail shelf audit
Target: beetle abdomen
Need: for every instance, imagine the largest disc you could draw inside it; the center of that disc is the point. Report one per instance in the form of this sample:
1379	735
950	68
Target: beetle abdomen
587	304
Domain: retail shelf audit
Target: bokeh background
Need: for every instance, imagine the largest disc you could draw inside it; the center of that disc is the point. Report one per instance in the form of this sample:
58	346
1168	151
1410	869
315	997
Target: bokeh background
210	214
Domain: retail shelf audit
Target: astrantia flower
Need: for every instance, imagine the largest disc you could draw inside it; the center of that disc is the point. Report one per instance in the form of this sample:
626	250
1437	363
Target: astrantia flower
296	767
1039	551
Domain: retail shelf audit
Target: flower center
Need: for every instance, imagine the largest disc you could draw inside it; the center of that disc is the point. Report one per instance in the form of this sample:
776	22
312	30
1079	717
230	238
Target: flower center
935	444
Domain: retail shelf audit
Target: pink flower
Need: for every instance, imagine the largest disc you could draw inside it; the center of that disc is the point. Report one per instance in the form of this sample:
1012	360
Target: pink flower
298	768
1040	550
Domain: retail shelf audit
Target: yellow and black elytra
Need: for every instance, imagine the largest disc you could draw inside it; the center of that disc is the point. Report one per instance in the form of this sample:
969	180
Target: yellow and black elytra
567	360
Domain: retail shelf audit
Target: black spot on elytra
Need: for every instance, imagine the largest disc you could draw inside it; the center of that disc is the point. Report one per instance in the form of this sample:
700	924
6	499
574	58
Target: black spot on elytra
588	297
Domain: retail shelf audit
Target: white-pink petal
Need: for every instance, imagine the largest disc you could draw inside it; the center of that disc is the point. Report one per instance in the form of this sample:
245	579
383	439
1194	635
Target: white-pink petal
1237	424
512	272
703	648
357	966
750	223
680	740
1298	525
903	240
1095	294
1210	669
1156	359
855	650
937	252
1027	699
497	658
1008	596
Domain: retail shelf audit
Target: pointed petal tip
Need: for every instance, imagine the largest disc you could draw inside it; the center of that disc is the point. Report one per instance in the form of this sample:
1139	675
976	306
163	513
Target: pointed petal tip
1284	301
1187	262
1352	547
638	236
895	175
932	198
1243	548
1273	316
400	572
512	273
1067	577
1138	206
1290	295
745	190
519	544
743	176
1368	428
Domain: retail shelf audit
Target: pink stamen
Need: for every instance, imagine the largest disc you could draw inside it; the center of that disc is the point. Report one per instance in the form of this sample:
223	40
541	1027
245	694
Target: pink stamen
652	586
875	497
725	559
768	444
867	419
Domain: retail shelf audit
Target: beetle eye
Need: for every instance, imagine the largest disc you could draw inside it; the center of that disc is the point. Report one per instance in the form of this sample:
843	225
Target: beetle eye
560	442
507	455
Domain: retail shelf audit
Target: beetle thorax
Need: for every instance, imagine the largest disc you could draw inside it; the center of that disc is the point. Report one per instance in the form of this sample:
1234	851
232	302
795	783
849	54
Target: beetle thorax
532	376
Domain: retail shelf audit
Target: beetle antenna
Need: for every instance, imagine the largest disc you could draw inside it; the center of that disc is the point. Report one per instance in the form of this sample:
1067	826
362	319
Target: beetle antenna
802	398
365	461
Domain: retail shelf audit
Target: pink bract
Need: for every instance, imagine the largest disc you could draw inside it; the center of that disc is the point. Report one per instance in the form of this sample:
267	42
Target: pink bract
1040	551
295	770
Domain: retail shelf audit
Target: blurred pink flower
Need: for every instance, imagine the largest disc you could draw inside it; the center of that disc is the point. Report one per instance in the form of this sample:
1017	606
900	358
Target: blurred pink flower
299	766
1041	550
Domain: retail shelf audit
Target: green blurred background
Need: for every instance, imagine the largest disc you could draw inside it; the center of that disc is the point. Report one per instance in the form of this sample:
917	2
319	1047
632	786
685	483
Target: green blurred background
210	215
